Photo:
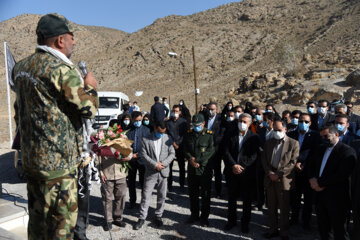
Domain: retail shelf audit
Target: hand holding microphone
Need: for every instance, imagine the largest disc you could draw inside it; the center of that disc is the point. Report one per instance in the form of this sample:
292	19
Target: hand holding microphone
89	78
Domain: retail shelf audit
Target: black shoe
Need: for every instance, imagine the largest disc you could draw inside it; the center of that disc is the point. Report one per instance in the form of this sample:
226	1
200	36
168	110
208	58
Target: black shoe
259	207
119	223
204	222
108	226
244	228
139	224
158	222
132	205
229	226
192	220
271	235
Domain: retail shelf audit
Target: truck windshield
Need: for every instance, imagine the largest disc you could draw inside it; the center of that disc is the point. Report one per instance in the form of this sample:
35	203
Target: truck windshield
109	102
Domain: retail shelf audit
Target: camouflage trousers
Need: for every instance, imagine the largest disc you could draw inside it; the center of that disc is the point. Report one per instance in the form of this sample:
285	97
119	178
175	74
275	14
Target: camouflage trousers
52	208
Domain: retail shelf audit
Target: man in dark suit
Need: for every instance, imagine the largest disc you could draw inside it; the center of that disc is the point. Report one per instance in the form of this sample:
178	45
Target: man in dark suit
308	140
353	124
330	168
177	127
354	118
356	202
241	152
213	123
342	125
265	133
158	111
279	158
322	117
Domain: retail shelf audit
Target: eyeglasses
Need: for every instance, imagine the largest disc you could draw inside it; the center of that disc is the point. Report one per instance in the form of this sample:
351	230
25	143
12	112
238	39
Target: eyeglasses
304	121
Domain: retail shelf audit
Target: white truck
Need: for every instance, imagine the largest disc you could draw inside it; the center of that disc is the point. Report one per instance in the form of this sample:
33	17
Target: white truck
110	107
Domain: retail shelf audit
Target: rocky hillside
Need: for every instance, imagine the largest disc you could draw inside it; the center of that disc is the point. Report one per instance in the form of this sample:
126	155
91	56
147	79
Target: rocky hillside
301	43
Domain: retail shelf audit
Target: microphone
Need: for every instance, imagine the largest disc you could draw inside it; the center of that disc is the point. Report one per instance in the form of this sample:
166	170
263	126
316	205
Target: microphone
83	69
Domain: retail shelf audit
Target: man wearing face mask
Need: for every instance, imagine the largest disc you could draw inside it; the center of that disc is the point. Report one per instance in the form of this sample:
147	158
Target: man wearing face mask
354	118
294	122
198	149
238	111
213	123
241	152
308	141
311	107
353	121
136	133
329	172
177	127
322	117
258	119
265	133
157	152
342	125
279	158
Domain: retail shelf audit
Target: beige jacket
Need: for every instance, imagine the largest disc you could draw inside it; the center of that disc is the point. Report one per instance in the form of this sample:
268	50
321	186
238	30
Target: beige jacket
110	167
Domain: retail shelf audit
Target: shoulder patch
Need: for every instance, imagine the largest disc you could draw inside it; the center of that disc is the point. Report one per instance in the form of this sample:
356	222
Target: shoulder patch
190	130
209	131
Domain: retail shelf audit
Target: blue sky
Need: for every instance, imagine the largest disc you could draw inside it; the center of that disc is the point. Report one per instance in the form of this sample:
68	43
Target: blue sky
128	16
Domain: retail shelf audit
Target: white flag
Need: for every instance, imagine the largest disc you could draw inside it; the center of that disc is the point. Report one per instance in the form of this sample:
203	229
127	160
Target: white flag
9	64
138	93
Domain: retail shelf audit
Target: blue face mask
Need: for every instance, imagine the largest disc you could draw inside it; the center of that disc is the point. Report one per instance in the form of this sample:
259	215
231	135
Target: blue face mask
146	122
159	135
311	110
197	128
303	126
268	110
137	124
258	118
295	121
265	124
340	128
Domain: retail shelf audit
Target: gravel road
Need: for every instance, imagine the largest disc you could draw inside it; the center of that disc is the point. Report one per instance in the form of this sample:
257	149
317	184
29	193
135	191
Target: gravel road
175	215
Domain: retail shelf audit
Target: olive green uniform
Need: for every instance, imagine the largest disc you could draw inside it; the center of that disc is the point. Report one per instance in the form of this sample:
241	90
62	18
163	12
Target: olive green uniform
50	101
200	146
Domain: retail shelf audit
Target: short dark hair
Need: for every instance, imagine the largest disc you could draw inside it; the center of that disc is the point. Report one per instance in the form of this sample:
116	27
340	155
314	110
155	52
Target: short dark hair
324	101
286	112
176	106
348	103
135	102
340	115
295	112
213	103
277	119
331	127
164	98
156	98
135	114
160	124
305	114
236	107
311	102
269	115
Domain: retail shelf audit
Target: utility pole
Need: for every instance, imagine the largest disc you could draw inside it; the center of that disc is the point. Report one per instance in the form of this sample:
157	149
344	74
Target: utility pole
197	90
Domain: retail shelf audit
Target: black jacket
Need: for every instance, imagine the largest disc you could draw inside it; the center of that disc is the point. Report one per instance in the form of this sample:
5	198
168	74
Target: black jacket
158	112
248	154
335	176
217	129
349	138
177	129
329	118
354	122
310	143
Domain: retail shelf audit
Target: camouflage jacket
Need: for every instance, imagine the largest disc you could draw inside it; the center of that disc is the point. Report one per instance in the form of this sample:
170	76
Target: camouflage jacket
50	102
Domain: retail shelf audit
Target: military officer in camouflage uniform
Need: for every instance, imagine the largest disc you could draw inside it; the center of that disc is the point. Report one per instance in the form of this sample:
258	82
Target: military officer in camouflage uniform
198	149
51	99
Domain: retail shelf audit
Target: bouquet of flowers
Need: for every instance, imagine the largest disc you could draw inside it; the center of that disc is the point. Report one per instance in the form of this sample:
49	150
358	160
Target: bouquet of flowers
111	142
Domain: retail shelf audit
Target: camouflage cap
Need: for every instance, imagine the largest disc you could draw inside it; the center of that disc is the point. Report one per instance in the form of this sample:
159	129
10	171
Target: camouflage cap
52	25
197	119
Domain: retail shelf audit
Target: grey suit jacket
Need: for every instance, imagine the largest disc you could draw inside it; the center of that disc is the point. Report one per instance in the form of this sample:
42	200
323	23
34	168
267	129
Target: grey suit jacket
167	154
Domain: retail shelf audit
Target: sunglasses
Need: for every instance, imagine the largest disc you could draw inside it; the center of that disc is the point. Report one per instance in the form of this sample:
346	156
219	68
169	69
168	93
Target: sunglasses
304	121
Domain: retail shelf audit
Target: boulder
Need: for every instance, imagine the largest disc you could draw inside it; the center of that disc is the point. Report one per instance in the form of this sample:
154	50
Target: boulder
353	79
259	83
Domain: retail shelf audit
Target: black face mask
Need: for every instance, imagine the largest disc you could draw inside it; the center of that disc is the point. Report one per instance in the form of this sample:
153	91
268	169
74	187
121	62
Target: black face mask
326	142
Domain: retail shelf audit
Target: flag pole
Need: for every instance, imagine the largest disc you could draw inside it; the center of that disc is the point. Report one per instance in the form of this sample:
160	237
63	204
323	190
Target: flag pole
8	94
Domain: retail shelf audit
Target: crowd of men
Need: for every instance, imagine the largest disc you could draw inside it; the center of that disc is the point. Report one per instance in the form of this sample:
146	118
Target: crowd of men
271	161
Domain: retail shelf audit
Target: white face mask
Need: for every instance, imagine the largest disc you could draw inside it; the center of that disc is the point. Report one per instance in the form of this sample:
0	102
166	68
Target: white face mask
242	126
230	119
126	122
237	115
229	107
278	135
323	110
212	113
